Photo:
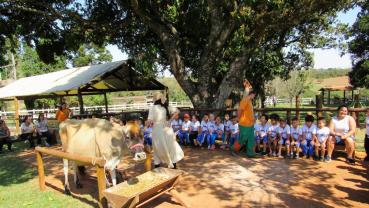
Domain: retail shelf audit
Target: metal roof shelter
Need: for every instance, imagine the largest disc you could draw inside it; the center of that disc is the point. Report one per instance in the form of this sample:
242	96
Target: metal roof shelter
337	84
87	80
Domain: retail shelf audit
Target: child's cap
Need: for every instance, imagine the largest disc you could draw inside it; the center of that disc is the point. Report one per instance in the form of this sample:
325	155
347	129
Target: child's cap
186	115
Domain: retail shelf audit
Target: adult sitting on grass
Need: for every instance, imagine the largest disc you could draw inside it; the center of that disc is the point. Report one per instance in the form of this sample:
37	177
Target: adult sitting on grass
342	129
29	132
4	136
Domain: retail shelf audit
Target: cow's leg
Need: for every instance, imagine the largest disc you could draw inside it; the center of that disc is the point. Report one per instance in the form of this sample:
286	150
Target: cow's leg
113	174
66	182
76	176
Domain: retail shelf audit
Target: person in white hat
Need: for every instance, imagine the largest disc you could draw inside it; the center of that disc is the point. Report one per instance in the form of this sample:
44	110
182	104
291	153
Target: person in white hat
165	147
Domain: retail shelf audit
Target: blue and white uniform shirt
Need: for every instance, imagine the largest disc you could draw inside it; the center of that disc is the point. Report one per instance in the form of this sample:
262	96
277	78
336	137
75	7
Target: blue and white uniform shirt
296	132
284	131
309	131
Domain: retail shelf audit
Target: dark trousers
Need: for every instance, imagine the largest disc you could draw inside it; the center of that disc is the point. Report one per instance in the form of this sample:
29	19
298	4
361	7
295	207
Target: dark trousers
48	137
366	145
30	137
6	141
193	137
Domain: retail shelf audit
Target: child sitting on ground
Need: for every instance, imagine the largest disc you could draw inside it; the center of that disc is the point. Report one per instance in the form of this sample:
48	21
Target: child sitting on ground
218	132
235	133
227	131
296	136
212	134
262	133
322	136
284	133
203	131
308	136
273	134
194	130
184	134
176	123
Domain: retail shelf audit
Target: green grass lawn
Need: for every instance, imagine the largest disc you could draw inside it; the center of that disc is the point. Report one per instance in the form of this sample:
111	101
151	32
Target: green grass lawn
19	185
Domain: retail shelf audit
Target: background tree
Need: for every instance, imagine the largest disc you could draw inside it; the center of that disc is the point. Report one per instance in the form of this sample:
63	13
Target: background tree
359	48
90	54
209	46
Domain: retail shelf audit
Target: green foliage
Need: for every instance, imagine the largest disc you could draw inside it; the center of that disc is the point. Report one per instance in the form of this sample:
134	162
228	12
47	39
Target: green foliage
30	64
359	47
90	54
209	46
176	93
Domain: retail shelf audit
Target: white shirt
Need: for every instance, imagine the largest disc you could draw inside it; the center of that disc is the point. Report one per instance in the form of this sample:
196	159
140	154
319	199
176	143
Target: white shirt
367	125
204	126
176	124
273	130
219	127
296	132
309	131
234	128
26	129
262	130
42	126
323	134
227	125
195	126
186	125
284	132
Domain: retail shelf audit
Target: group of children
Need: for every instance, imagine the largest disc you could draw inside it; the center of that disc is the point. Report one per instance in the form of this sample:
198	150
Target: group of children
270	137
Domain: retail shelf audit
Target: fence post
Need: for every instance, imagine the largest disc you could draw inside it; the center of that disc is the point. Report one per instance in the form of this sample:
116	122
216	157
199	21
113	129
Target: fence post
101	184
288	117
319	104
41	172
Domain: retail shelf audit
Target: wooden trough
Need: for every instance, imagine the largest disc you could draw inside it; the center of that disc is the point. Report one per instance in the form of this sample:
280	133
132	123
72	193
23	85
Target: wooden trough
139	191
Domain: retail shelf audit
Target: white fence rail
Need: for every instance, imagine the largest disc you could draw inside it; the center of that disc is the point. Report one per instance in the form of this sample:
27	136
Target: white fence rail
303	101
111	108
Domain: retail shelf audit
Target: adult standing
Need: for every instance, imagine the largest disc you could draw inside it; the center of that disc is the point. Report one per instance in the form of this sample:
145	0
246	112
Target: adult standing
63	113
165	147
246	123
342	129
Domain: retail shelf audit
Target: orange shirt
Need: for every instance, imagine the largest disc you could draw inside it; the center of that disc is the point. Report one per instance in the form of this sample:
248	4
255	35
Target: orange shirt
247	115
62	115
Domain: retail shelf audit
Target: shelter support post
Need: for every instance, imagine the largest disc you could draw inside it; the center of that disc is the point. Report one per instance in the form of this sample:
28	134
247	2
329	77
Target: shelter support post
16	116
352	95
80	101
329	97
344	96
106	103
319	104
323	95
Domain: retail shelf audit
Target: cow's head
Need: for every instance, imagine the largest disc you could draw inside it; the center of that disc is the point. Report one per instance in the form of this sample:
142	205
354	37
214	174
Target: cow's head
134	140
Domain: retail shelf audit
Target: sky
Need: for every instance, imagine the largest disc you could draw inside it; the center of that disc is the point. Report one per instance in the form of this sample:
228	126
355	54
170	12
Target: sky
323	59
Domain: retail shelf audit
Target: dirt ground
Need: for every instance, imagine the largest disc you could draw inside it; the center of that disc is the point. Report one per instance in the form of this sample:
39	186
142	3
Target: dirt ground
217	179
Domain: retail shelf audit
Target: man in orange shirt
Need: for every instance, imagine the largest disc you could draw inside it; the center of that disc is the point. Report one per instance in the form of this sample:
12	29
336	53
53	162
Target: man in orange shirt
246	123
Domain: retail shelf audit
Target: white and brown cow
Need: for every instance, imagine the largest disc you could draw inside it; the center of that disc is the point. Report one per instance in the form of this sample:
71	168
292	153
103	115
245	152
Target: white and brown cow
99	138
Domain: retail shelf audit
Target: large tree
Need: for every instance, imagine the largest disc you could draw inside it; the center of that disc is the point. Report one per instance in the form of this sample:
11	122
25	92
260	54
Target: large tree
359	48
209	46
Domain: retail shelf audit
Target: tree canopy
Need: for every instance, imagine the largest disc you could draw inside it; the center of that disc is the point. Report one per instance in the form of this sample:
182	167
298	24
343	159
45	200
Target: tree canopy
209	46
359	47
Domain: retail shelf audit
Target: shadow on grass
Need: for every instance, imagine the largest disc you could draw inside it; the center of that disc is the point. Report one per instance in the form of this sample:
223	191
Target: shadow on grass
14	170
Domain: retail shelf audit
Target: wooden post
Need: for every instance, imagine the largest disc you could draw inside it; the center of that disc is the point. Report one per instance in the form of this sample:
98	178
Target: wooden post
16	116
319	104
288	117
352	95
356	105
329	97
106	103
297	107
344	96
101	185
41	172
80	101
323	95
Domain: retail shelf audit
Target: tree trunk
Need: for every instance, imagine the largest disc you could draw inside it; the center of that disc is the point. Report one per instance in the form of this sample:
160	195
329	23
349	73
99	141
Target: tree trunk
29	103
